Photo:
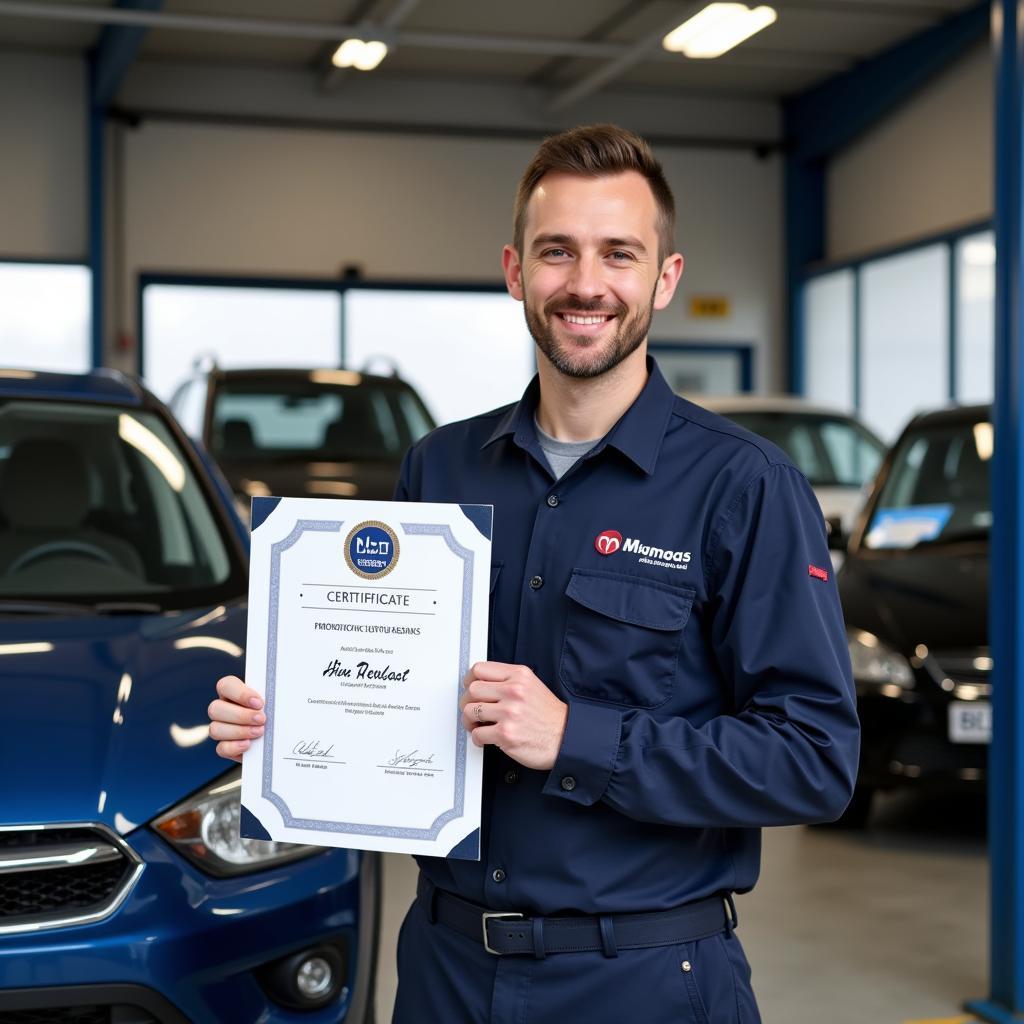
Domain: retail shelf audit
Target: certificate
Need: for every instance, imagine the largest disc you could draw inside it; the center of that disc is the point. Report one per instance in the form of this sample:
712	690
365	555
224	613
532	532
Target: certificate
364	617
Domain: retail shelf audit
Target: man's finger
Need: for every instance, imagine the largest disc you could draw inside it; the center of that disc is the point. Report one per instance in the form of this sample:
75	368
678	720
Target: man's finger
484	735
490	671
232	688
233	751
229	711
487	714
478	690
224	731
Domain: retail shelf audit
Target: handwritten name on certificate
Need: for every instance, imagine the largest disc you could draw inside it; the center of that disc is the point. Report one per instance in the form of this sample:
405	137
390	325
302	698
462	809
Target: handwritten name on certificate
364	617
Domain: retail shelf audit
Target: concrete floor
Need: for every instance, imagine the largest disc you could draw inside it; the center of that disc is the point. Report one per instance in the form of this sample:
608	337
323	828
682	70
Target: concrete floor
882	926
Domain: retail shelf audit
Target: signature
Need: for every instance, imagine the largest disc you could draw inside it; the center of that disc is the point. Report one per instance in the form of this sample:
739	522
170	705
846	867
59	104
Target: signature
410	760
312	748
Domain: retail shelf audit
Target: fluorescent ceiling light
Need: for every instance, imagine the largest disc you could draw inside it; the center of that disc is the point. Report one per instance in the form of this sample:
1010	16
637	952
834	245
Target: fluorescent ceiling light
718	28
364	55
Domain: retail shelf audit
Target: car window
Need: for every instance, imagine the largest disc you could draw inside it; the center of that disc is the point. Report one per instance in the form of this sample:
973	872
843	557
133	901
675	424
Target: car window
99	502
257	419
937	490
831	451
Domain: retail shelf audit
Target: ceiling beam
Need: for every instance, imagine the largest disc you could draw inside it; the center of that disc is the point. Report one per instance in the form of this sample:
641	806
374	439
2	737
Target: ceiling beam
115	52
634	54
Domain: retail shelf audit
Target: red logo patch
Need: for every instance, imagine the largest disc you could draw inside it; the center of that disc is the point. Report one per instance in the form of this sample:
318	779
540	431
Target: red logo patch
818	574
608	542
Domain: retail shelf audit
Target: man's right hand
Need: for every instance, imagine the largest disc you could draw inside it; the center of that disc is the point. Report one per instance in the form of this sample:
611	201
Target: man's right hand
236	717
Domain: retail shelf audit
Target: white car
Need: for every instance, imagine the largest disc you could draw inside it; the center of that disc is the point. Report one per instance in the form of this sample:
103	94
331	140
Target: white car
836	452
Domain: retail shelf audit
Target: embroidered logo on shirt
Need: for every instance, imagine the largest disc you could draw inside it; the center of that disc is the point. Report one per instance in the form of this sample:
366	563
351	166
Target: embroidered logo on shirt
818	574
608	542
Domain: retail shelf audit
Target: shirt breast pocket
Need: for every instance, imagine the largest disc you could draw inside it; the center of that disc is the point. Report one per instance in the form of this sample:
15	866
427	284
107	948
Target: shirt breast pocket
622	637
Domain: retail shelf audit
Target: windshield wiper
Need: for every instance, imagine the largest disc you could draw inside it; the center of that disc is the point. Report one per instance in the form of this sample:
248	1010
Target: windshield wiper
127	608
979	533
43	608
29	607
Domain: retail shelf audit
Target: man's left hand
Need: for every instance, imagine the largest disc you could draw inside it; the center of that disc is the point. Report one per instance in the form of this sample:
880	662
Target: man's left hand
507	705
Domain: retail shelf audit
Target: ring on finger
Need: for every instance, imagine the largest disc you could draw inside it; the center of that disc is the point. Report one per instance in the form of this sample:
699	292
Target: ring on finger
478	711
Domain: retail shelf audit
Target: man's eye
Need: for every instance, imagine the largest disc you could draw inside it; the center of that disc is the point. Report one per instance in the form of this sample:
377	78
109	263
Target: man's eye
621	254
556	253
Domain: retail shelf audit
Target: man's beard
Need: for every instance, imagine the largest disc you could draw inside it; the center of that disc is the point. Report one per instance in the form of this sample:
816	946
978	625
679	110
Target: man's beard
628	337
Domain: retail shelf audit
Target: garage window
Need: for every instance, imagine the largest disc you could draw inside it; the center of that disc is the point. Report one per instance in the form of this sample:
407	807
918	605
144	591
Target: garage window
45	316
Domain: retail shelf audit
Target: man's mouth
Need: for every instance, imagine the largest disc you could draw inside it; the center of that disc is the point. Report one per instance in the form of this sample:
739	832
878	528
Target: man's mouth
585	319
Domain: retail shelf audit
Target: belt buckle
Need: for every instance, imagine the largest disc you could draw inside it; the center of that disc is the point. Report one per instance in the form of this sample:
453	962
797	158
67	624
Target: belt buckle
490	915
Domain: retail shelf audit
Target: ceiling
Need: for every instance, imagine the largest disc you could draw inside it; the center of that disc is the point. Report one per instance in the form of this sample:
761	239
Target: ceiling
563	51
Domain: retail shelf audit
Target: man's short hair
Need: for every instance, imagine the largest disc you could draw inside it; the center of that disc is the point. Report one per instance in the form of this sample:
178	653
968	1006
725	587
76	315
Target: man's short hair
595	151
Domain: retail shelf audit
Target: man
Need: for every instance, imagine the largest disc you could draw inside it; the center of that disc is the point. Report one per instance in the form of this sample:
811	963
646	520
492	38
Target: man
668	671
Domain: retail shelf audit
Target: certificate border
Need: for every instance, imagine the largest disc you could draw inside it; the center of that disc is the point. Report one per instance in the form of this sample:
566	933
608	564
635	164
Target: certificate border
353	828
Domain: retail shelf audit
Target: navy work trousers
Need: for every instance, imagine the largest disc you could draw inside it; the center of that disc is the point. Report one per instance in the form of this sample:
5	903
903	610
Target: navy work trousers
445	977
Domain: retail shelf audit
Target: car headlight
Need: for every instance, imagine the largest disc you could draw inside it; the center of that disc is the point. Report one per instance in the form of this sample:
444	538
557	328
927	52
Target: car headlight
876	662
205	829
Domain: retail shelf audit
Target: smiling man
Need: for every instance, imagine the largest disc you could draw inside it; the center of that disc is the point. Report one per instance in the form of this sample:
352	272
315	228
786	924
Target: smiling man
668	673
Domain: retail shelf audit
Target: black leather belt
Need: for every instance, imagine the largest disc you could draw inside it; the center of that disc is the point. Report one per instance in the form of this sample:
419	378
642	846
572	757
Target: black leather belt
507	933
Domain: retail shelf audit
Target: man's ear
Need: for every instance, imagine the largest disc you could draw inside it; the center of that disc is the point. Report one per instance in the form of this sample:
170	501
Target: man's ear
513	272
671	271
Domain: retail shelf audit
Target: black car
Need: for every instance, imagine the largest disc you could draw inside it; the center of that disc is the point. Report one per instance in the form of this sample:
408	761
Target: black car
303	433
914	589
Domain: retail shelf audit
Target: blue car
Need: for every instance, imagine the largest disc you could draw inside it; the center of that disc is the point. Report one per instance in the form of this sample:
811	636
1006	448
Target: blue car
126	895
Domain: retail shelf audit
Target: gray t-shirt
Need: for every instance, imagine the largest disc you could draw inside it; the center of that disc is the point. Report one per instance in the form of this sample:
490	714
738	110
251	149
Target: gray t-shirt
561	455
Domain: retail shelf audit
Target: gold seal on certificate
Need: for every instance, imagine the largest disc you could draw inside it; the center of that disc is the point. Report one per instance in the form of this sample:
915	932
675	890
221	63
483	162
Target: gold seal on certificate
364	617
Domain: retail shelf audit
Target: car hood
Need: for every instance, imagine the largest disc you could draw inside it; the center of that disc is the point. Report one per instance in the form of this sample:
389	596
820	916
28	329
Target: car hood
936	597
368	481
105	717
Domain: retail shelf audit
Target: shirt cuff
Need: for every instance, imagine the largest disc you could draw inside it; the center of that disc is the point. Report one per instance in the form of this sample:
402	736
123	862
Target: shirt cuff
590	746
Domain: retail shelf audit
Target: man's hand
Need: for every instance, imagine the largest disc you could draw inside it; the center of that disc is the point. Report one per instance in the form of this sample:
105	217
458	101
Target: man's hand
236	718
507	705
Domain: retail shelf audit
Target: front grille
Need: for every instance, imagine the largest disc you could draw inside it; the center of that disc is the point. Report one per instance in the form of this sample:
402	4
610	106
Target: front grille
52	877
58	1015
47	892
95	1014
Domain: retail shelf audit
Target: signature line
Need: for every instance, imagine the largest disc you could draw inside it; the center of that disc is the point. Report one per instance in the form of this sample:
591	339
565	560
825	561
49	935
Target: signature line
328	760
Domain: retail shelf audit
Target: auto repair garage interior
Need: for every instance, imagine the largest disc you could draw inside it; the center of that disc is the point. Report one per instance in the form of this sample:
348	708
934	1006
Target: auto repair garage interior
189	188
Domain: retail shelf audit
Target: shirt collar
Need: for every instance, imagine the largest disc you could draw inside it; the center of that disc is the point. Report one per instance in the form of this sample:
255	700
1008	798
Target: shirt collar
638	434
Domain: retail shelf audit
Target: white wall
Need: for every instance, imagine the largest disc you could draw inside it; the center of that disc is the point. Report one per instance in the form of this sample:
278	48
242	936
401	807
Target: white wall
219	199
926	168
43	130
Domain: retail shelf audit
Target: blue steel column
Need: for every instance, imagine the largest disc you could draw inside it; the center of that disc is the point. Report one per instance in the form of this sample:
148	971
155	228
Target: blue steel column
97	213
1006	758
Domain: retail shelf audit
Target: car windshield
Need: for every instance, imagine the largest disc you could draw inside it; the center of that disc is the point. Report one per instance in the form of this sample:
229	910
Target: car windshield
326	417
937	491
99	504
831	451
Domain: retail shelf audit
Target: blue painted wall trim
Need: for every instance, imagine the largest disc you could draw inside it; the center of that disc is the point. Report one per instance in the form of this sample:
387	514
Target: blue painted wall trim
822	120
1006	600
109	61
831	115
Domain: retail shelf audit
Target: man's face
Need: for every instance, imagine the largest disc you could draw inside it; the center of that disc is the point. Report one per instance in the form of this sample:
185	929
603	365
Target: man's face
589	276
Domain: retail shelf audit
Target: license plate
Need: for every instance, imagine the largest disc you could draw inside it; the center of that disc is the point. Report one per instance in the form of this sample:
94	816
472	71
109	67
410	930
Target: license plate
970	721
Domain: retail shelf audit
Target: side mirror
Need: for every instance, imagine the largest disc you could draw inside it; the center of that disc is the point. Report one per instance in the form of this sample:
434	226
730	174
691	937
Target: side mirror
837	540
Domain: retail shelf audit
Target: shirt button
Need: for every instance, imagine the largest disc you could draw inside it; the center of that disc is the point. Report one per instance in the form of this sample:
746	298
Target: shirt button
553	500
498	875
568	783
685	965
536	582
511	776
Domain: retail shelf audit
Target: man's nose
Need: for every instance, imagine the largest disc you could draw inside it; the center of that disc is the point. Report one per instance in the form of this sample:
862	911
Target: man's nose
587	279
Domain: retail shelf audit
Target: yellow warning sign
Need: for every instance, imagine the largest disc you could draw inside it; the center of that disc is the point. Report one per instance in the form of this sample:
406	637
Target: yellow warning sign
709	307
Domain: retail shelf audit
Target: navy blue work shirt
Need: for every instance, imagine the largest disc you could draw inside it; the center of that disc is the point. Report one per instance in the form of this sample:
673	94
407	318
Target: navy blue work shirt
668	588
